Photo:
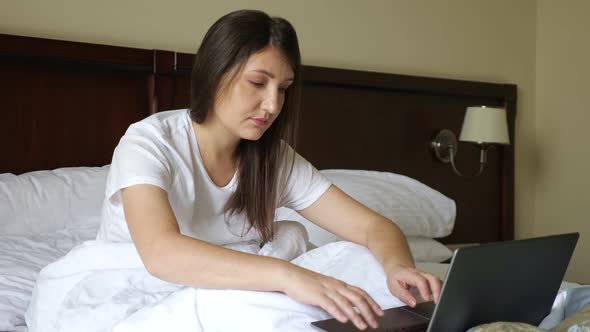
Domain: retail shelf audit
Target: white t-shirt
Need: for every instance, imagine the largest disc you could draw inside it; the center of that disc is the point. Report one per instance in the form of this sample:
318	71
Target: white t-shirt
162	150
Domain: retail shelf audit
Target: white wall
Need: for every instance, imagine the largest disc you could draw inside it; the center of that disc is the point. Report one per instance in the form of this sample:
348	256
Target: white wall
562	163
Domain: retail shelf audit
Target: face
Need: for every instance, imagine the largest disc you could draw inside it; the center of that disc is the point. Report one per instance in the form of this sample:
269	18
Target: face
247	106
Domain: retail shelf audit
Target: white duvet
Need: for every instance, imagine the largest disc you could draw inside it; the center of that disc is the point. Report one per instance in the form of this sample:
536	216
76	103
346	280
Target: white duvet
21	259
101	286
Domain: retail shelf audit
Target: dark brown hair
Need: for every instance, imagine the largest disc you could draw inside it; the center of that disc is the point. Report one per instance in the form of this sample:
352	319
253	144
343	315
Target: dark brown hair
262	165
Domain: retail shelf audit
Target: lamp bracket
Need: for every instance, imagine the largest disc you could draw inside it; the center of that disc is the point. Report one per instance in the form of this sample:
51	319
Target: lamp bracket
444	144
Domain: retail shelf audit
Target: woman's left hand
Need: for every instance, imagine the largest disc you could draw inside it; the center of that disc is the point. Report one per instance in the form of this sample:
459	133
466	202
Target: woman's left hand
400	279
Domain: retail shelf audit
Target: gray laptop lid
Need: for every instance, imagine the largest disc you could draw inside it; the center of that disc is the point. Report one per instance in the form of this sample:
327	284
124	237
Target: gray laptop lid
475	293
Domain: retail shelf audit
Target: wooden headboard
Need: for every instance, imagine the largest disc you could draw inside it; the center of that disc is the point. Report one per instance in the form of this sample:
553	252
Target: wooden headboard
67	104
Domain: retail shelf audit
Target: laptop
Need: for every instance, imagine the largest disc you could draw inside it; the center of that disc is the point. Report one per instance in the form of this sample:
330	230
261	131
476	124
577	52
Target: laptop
515	281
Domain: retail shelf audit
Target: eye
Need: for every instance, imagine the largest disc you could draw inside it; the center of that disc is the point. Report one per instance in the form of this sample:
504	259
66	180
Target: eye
257	84
284	89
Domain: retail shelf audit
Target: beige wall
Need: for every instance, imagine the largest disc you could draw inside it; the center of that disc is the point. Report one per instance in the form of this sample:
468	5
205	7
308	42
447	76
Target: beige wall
562	118
486	40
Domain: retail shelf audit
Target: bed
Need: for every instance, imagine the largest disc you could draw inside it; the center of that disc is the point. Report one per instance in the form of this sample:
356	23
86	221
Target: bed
65	105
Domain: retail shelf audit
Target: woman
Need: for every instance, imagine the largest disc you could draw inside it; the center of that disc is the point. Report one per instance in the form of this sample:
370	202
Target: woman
183	183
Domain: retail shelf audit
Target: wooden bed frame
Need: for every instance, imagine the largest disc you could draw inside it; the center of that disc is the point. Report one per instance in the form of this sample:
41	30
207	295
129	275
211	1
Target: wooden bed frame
67	104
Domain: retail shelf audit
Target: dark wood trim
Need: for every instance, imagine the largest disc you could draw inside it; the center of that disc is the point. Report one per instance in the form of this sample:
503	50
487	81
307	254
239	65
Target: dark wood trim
40	49
168	62
152	95
355	78
184	63
164	62
508	164
165	73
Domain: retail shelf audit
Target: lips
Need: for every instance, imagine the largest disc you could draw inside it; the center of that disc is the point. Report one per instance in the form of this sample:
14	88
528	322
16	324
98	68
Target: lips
259	121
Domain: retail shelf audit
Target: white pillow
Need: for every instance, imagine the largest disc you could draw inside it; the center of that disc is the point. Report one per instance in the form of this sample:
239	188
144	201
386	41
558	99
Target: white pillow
416	208
425	249
47	201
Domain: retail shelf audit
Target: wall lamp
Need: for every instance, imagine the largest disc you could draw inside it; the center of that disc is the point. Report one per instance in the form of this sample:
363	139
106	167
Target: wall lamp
483	126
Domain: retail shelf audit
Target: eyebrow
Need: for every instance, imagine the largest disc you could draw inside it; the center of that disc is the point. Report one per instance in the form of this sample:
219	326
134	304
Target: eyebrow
269	74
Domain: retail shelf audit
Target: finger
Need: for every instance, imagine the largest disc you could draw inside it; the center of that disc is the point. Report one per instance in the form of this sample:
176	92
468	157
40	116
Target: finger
435	286
376	307
333	309
403	294
359	301
420	282
346	306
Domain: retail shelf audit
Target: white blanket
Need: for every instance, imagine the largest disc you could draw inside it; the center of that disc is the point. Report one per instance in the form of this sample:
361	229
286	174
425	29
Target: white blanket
102	286
21	259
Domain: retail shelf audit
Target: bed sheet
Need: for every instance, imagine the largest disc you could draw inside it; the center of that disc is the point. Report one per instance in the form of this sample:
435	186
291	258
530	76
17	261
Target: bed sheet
21	259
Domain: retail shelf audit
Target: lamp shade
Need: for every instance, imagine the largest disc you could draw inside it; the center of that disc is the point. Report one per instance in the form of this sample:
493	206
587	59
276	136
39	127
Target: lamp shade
485	125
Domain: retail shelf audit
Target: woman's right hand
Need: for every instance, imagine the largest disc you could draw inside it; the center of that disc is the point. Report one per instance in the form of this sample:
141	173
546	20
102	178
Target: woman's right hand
335	296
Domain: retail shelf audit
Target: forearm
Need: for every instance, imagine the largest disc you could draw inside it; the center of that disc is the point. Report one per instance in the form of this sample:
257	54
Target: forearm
187	261
389	245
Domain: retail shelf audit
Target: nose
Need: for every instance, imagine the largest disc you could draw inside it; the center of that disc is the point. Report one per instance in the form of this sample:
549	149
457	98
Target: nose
272	102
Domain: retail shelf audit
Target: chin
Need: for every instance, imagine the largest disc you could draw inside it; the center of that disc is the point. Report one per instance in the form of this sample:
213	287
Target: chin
252	136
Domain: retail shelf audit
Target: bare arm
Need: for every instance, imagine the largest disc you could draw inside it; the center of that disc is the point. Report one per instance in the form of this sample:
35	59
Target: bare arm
342	215
180	259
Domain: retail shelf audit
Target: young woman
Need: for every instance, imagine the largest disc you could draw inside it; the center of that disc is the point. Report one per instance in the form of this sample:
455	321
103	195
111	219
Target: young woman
183	183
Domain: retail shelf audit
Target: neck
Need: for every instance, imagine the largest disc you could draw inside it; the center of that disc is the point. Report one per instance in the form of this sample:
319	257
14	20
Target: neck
216	145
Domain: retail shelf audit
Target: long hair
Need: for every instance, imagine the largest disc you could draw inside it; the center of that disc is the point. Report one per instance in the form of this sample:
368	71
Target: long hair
262	165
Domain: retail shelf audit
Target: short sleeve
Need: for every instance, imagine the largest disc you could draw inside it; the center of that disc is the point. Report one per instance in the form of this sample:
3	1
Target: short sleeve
140	158
305	185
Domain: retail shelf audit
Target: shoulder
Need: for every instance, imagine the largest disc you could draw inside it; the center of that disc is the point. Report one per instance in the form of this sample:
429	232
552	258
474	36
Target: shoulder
291	158
164	131
162	124
155	138
149	151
